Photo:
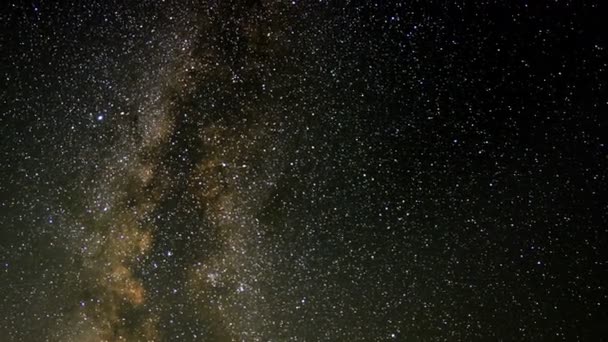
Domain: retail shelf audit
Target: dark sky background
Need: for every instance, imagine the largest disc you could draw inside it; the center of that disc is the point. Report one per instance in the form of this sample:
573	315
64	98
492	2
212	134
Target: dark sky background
303	171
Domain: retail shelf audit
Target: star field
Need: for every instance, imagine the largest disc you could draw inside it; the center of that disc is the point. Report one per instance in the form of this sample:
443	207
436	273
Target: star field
302	171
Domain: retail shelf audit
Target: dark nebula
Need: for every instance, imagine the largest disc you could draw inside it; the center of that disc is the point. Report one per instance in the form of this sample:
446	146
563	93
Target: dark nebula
303	171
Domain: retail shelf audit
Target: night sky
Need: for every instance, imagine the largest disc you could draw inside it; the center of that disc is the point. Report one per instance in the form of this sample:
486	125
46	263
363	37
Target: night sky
277	170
